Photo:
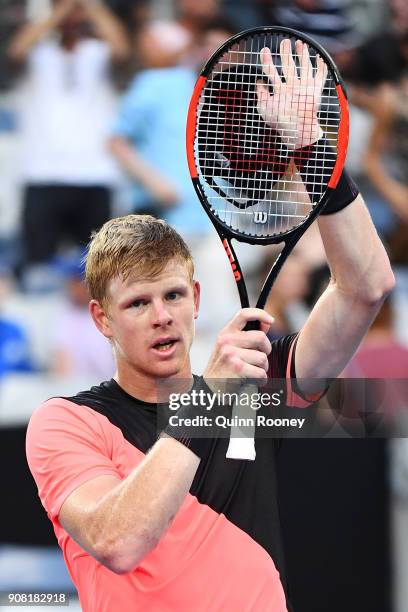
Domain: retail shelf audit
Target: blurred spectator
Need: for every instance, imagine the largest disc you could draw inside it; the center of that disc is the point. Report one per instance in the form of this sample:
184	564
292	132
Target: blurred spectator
380	90
78	349
327	21
382	56
11	16
386	158
132	13
399	10
65	114
245	15
195	16
14	349
213	35
148	136
14	345
379	59
380	355
209	26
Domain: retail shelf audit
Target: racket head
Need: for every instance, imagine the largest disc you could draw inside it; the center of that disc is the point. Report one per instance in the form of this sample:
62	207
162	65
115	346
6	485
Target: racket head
245	174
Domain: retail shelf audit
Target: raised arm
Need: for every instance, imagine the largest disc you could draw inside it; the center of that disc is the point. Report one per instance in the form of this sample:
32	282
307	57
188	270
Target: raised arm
35	31
105	24
108	27
361	278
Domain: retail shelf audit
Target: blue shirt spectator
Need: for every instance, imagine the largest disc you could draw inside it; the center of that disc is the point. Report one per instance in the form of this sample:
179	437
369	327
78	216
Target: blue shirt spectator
14	350
152	117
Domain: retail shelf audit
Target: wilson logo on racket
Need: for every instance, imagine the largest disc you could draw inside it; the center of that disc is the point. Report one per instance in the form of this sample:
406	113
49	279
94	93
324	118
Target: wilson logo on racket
237	273
260	216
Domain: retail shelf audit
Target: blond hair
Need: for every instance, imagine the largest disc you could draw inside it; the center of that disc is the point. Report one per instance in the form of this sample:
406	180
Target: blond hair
140	245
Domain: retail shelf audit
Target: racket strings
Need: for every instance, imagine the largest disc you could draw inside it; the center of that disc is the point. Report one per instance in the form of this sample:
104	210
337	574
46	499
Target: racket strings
256	178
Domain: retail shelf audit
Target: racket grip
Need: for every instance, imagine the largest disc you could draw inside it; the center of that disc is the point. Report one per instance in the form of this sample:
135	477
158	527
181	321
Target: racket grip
242	436
241	449
252	325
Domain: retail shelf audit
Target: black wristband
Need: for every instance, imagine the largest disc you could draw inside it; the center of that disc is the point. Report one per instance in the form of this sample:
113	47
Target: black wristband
199	446
344	194
321	157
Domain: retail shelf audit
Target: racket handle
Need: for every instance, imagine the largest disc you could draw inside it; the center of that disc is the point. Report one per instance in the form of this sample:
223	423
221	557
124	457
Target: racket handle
241	448
242	437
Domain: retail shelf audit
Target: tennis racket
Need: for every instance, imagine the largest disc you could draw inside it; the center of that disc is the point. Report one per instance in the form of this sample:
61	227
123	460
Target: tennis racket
267	134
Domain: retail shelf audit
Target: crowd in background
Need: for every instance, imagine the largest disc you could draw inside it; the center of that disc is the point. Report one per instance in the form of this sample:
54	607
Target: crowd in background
93	103
92	116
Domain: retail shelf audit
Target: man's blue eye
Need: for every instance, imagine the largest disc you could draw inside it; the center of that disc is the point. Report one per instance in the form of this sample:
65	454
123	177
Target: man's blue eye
173	295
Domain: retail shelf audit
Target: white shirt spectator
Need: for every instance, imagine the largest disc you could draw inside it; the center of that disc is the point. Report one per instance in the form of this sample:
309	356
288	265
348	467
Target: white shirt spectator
65	115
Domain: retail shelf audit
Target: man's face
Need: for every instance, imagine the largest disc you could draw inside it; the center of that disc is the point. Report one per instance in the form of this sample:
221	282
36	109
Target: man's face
151	324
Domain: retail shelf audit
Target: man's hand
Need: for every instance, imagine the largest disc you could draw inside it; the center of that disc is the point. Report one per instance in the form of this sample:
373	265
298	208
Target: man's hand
292	109
239	353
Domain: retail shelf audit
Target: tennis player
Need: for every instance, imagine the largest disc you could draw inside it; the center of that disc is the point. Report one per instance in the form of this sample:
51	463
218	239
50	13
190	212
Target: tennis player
168	523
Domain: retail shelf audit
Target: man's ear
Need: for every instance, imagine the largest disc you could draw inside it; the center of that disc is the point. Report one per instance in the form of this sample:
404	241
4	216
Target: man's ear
100	318
197	292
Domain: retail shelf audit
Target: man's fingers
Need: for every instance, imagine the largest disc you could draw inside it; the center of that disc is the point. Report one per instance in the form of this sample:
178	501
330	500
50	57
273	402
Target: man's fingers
321	72
252	339
306	68
262	92
253	372
253	358
269	67
248	314
288	63
256	339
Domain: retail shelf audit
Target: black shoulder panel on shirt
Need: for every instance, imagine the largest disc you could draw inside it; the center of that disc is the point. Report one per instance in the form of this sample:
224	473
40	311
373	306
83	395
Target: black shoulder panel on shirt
134	418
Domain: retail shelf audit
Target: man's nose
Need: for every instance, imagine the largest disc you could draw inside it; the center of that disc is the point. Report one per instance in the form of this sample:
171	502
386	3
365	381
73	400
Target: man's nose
160	314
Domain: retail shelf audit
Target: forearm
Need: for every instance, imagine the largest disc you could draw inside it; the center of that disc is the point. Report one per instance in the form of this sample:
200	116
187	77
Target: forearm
132	162
361	279
356	256
336	326
129	521
32	33
162	191
109	28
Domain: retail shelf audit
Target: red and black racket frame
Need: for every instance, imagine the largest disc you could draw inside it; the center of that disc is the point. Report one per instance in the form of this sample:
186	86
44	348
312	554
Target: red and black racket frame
291	237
